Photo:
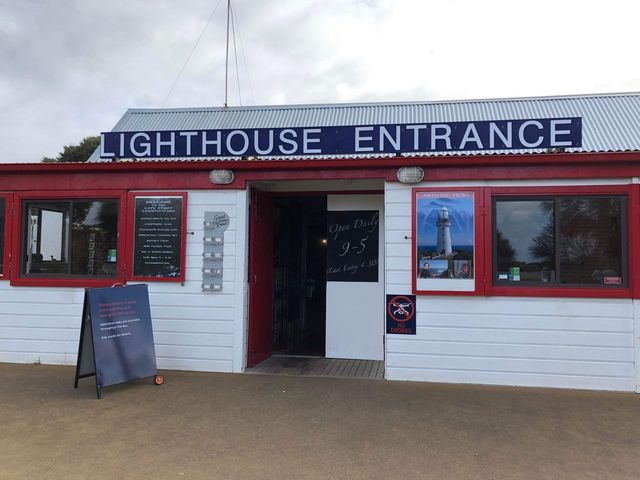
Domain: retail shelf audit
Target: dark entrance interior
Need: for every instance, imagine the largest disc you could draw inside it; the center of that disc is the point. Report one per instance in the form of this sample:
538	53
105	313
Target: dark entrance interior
299	269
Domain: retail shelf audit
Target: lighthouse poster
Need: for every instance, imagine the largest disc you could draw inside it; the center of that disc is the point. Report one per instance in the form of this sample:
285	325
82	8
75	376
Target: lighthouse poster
444	232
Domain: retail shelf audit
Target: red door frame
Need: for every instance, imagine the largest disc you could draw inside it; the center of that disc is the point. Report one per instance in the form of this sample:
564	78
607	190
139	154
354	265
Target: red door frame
260	337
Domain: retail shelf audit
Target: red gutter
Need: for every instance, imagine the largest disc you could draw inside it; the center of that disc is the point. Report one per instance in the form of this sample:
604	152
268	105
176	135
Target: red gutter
360	163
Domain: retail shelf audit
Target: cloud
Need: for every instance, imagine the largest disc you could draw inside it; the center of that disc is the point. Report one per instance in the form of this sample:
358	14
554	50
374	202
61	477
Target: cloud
70	69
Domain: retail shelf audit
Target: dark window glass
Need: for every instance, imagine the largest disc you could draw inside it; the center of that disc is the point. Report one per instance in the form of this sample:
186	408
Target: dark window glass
2	213
525	240
560	240
71	238
590	240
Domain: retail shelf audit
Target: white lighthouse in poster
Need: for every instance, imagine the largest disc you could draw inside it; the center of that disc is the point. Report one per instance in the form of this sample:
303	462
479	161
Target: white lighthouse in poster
444	233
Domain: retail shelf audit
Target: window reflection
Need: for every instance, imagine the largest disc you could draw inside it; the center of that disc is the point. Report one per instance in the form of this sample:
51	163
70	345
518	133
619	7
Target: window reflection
71	238
590	246
525	244
93	235
568	240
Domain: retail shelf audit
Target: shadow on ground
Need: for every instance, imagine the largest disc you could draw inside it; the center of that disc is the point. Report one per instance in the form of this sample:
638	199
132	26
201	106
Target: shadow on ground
210	426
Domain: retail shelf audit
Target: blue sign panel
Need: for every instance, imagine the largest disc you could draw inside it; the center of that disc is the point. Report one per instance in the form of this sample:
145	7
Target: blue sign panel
539	133
401	314
122	335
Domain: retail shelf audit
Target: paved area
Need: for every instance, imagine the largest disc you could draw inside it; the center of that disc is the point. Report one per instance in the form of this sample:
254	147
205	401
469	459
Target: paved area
216	426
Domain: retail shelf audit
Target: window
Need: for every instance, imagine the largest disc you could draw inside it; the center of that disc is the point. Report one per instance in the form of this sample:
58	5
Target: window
560	240
70	238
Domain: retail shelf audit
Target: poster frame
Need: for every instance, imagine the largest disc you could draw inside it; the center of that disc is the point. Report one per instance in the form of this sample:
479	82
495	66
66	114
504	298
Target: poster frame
130	237
478	238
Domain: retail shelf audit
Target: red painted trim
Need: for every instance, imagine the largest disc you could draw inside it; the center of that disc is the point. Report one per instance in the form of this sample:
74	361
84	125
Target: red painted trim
358	163
560	291
564	292
479	248
7	235
18	279
484	242
260	298
183	175
70	194
487	240
321	193
131	230
633	235
414	288
532	172
82	282
178	180
560	190
242	177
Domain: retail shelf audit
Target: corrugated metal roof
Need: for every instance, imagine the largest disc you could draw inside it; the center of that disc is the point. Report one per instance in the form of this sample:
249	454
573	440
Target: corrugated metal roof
610	122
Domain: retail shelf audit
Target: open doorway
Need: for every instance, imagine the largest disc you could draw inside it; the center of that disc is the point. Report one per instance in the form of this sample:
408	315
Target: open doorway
297	320
299	280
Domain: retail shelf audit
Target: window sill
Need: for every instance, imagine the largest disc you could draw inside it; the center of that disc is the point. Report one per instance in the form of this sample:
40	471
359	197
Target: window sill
65	282
566	292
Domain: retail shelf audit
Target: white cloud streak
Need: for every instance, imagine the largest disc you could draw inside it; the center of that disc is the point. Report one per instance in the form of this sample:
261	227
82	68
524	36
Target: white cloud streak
71	68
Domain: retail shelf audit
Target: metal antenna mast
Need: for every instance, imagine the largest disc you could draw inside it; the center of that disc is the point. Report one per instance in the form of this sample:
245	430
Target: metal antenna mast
226	63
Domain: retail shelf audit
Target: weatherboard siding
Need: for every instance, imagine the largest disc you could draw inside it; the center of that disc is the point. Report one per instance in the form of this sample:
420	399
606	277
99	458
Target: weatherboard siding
192	330
543	342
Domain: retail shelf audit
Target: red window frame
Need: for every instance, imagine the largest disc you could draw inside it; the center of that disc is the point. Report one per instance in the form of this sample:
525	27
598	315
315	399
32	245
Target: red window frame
7	235
562	291
479	250
17	277
131	229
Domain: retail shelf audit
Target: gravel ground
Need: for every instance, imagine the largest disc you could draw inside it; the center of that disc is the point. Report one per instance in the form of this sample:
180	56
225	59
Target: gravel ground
221	426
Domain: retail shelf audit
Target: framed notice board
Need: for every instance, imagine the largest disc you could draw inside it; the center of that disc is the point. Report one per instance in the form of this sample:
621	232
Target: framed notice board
157	226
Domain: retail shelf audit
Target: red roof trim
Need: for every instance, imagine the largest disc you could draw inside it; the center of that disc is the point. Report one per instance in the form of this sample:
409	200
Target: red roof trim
364	163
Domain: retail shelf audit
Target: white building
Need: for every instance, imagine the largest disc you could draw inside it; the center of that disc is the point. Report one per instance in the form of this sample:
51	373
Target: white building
542	289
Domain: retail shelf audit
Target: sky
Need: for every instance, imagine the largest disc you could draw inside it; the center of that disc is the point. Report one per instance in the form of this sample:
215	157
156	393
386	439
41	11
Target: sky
71	68
460	216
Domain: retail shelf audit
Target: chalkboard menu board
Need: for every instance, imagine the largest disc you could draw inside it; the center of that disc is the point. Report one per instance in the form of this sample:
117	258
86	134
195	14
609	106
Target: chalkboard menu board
352	246
158	237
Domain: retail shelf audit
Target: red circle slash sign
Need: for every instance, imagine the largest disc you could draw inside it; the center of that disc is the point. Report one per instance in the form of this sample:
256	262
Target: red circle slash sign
401	309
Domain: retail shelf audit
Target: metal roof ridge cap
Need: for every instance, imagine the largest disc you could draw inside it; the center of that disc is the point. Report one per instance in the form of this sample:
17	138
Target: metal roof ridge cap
381	104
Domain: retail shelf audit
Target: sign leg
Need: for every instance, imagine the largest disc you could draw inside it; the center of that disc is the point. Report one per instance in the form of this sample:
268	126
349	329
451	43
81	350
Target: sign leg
79	359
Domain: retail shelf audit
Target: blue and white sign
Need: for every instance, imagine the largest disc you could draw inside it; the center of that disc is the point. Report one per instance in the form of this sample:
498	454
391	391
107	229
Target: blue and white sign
344	140
122	334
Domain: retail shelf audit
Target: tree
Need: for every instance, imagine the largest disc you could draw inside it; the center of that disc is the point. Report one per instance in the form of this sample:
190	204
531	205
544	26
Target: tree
76	153
506	253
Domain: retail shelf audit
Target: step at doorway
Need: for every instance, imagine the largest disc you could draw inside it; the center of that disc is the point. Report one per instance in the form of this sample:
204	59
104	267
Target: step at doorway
319	367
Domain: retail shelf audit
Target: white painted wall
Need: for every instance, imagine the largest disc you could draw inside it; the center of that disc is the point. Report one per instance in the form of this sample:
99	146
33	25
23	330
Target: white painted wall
571	343
355	310
192	330
545	342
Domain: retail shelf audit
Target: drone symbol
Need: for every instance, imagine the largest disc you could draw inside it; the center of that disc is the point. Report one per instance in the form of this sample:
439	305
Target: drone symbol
401	308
